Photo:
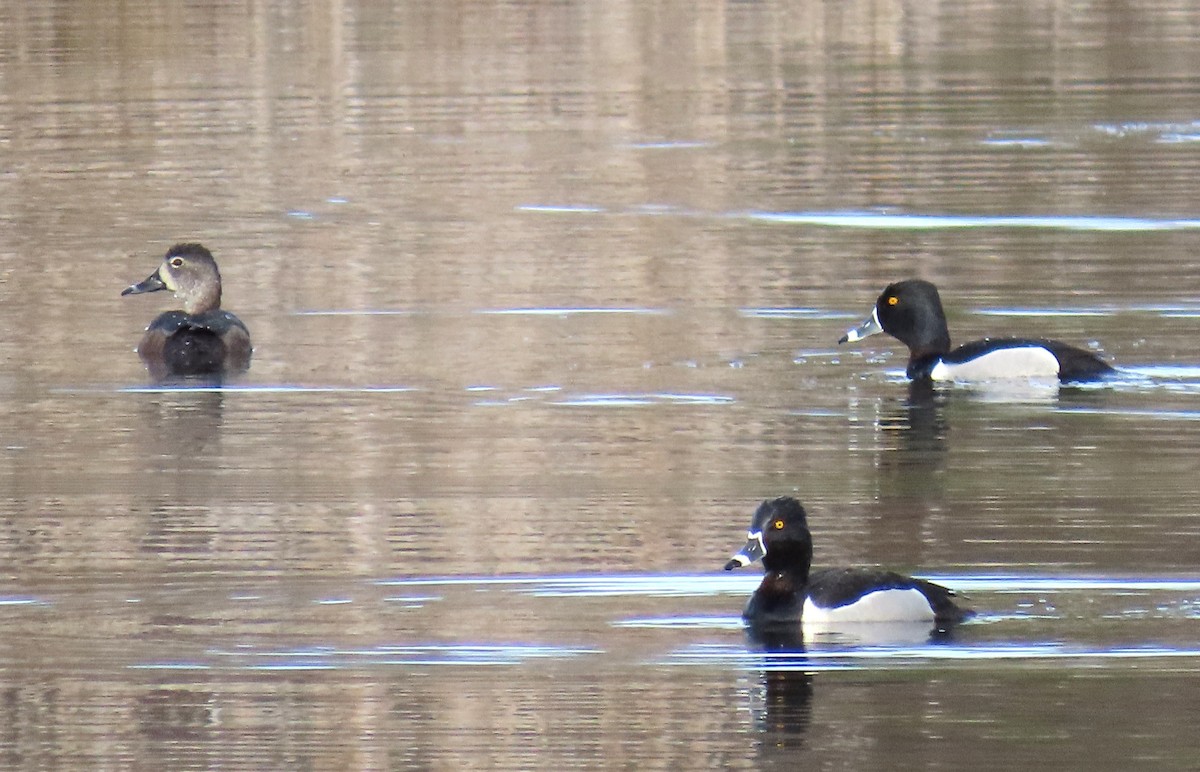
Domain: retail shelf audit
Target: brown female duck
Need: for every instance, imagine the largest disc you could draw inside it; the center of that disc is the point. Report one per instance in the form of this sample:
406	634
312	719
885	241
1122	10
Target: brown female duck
201	339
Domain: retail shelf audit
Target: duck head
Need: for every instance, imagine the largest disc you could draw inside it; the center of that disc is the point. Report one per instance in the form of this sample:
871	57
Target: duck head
188	271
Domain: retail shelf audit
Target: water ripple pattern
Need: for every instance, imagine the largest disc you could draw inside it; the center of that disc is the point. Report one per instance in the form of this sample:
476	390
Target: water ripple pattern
336	658
884	657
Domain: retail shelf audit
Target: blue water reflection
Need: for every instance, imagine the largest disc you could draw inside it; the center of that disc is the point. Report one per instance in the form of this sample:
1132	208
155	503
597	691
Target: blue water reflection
901	221
887	220
879	657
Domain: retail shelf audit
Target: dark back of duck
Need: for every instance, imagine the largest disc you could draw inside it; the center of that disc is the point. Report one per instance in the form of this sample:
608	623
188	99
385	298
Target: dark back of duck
194	351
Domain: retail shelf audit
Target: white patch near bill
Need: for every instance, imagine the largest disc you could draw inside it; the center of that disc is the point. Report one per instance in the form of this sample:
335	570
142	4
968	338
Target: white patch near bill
754	549
1022	362
881	606
168	280
866	329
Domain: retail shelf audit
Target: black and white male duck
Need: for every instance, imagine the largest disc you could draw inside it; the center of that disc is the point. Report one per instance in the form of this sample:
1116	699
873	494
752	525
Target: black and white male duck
791	593
911	311
201	339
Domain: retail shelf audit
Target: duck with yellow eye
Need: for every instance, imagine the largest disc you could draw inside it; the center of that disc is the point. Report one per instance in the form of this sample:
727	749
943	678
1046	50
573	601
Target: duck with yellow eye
790	593
202	338
911	311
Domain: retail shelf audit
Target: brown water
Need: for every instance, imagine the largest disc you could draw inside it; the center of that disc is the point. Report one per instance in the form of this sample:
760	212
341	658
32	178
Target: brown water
544	299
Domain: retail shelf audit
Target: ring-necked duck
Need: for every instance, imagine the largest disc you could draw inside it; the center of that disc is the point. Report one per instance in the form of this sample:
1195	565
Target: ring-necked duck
202	338
911	311
789	592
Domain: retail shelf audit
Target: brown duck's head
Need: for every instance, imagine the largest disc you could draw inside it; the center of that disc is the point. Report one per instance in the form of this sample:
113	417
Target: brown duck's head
188	271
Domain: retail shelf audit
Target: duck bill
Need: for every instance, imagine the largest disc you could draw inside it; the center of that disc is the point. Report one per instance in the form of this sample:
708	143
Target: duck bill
152	283
870	326
752	551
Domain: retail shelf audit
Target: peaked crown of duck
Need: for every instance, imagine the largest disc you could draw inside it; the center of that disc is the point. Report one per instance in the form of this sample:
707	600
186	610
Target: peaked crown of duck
779	535
911	311
190	273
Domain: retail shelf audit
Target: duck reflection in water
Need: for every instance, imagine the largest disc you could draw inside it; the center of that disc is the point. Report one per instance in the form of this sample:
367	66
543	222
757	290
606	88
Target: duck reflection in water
782	704
916	428
796	613
919	423
864	604
202	339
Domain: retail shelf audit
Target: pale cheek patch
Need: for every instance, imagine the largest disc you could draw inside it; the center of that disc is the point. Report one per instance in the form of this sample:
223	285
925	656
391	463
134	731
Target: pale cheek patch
882	606
1028	362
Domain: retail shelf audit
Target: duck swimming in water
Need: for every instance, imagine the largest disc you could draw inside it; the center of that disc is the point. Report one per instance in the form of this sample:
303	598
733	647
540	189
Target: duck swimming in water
791	593
202	338
911	311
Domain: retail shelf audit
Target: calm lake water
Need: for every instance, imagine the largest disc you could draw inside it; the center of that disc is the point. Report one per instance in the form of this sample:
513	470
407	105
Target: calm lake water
544	298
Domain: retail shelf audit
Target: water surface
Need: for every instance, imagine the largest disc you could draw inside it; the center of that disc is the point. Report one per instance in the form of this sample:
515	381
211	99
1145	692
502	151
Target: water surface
544	299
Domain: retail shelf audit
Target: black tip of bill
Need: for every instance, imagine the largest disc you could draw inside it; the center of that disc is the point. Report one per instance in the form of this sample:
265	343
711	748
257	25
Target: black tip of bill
151	283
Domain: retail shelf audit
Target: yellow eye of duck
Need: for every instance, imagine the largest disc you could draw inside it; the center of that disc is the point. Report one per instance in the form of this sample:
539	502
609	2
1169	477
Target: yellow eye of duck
777	525
893	300
176	262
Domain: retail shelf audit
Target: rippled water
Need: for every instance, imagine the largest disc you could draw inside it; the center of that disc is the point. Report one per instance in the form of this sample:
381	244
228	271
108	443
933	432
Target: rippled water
544	299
